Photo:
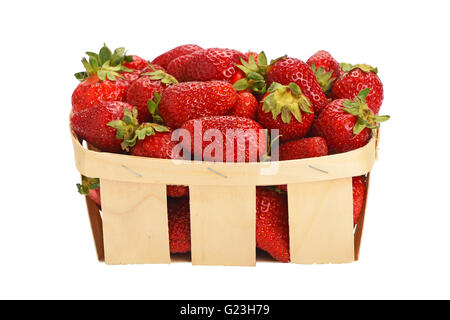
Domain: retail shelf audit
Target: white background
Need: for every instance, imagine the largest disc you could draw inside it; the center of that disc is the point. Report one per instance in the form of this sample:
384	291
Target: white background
46	248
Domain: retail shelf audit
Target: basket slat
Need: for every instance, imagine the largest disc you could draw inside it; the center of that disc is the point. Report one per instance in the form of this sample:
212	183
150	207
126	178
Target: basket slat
321	221
135	224
223	223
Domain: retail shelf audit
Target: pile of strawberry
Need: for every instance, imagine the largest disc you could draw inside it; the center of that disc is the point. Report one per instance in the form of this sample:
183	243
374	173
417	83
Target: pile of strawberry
126	104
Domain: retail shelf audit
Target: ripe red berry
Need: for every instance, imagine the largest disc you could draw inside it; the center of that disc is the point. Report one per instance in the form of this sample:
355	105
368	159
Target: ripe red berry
142	90
287	109
137	63
289	70
164	59
325	68
92	125
206	65
303	148
347	125
93	90
179	224
243	138
359	195
356	78
191	100
102	80
272	226
246	106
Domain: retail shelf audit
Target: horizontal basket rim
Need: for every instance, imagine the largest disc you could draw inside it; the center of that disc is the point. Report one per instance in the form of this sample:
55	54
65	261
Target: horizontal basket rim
122	167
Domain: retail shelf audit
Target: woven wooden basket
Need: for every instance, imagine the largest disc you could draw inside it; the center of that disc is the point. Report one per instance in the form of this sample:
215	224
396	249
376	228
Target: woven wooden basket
132	227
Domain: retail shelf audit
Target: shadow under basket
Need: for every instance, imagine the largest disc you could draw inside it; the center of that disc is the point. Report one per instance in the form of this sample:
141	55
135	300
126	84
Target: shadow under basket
133	225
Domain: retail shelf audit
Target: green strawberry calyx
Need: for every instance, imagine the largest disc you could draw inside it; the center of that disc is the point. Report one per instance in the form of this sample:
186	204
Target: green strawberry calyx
347	67
153	108
366	118
130	131
88	184
255	71
286	100
323	77
105	64
160	75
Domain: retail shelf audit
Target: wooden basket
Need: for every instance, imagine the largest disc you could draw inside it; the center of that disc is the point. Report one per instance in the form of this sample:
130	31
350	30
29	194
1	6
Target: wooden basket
133	225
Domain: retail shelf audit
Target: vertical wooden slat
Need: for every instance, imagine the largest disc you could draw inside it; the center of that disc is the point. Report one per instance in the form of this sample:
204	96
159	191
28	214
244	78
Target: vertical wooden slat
223	225
135	224
321	221
96	226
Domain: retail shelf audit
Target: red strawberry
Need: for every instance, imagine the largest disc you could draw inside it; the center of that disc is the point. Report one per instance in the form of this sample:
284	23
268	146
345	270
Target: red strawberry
160	145
177	67
326	69
347	125
245	106
206	65
136	63
92	124
94	194
93	90
357	78
272	228
143	89
102	79
90	187
179	224
286	108
289	70
190	100
177	191
252	73
131	77
359	195
303	148
248	141
164	59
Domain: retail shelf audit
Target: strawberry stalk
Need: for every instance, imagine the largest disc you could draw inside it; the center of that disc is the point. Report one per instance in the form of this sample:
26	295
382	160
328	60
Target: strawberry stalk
365	116
105	64
88	184
255	71
324	78
129	130
153	108
286	100
347	67
160	75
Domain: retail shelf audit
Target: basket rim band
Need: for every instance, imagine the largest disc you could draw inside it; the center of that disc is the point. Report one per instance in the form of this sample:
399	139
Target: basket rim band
128	168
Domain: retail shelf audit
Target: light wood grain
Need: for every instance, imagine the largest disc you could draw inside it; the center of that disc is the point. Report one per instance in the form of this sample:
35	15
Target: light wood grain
223	223
135	224
321	221
120	167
